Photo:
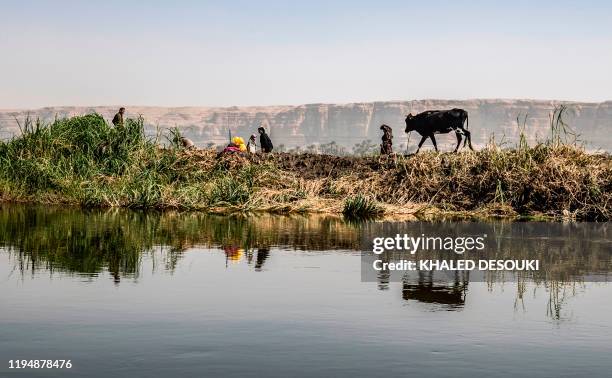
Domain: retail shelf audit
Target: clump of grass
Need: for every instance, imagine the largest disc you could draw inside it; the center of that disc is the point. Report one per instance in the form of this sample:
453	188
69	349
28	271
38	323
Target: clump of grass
229	191
174	137
361	207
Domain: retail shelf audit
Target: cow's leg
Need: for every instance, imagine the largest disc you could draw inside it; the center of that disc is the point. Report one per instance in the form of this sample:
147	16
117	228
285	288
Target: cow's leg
468	138
421	143
433	140
458	134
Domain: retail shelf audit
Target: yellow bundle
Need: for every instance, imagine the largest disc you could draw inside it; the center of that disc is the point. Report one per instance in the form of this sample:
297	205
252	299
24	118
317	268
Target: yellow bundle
239	142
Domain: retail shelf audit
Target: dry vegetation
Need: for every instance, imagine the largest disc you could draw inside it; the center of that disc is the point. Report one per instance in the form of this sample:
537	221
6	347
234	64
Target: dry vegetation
556	181
84	161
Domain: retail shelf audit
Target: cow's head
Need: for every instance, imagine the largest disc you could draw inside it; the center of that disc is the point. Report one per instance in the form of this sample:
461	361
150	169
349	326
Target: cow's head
409	124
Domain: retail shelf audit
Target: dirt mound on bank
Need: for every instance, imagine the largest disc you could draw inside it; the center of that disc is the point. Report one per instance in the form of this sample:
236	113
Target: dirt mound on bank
304	165
552	180
313	166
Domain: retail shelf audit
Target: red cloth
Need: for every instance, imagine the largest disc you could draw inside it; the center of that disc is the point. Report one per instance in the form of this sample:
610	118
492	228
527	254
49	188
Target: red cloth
231	149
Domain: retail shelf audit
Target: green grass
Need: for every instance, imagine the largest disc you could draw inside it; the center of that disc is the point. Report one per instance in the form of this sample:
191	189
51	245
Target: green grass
85	161
361	207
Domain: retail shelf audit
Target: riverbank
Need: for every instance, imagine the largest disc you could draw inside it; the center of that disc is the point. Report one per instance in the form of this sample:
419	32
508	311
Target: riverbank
83	161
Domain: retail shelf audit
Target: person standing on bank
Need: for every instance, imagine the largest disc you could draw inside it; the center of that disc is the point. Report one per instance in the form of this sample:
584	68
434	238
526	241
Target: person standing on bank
252	146
386	148
118	118
264	140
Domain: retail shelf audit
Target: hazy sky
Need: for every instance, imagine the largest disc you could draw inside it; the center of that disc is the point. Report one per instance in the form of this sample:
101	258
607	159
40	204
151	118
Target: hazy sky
210	53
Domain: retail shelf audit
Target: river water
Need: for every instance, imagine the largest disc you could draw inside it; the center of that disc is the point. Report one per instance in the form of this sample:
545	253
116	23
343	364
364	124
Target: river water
122	293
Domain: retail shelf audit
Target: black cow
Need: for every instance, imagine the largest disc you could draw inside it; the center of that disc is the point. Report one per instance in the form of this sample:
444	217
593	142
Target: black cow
433	122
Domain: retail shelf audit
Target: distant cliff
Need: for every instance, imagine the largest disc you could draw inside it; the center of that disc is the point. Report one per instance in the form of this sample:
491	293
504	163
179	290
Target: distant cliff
348	124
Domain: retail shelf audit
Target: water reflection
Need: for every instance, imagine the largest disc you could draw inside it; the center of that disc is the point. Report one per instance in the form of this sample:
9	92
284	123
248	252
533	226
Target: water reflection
90	242
570	254
234	255
262	256
567	252
450	295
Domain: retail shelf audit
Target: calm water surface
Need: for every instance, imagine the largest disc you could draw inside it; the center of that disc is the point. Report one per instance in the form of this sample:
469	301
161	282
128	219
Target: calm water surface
131	294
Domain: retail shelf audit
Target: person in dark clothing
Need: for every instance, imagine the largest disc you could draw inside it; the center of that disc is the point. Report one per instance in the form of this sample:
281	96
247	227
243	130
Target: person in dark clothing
264	140
118	118
386	148
262	256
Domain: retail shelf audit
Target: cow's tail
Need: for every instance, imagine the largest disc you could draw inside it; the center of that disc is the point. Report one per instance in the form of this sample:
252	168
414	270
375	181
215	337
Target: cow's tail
467	121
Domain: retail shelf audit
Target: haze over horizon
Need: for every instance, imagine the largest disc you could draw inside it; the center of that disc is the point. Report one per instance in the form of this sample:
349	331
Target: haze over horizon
240	53
450	100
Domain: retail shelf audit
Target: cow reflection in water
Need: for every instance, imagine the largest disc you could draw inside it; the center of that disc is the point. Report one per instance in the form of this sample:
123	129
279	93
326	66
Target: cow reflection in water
449	294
